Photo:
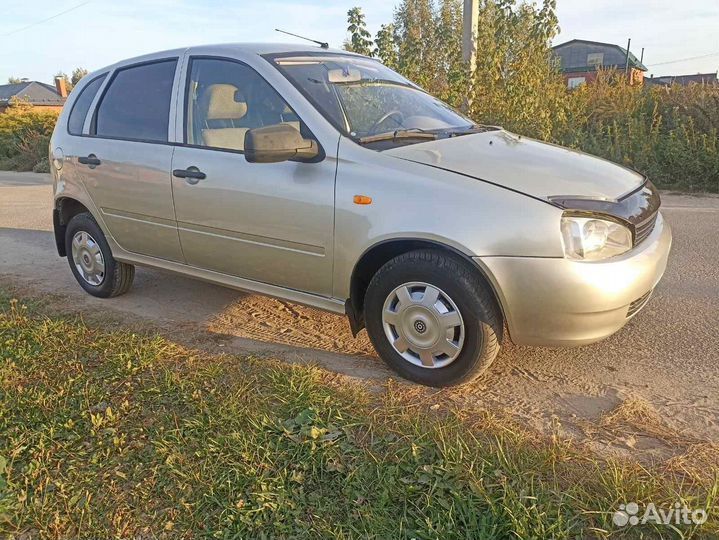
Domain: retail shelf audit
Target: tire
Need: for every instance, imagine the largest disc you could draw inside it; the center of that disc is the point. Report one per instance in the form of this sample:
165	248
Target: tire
92	253
460	288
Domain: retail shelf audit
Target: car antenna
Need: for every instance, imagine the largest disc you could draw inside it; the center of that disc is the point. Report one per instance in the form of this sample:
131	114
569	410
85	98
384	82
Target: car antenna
322	44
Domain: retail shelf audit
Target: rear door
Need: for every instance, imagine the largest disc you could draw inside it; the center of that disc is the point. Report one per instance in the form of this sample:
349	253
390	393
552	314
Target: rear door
269	222
126	158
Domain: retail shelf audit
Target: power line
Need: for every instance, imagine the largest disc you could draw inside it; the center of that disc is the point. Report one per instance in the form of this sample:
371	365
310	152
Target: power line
685	59
45	20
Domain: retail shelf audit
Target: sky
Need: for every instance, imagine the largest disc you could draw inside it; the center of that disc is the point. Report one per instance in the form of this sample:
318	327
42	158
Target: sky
679	36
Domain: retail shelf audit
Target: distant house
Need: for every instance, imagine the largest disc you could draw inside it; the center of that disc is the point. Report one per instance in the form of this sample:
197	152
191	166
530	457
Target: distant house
38	94
684	80
580	59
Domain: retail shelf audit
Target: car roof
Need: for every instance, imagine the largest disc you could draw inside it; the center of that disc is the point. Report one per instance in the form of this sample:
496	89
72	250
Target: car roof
228	48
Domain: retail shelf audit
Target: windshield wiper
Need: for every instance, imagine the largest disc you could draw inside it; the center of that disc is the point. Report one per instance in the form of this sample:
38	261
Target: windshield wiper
470	130
397	134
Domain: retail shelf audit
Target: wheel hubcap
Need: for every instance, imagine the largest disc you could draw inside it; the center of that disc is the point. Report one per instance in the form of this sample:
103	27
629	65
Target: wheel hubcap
423	324
88	259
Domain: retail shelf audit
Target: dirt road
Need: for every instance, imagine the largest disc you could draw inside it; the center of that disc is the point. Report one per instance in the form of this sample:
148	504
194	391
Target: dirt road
658	377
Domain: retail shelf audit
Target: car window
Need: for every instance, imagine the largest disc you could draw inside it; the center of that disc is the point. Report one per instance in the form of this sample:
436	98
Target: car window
136	104
82	105
225	99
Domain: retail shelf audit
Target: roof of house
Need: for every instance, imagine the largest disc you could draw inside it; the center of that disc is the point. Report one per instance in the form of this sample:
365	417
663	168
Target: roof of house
701	78
36	93
619	56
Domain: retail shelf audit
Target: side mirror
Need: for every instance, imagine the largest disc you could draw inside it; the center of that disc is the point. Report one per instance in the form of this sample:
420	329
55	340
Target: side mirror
281	142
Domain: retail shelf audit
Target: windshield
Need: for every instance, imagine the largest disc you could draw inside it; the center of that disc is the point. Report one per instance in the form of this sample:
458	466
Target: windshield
363	98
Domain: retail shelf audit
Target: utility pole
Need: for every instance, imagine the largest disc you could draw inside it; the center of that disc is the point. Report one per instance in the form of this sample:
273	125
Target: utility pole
626	62
469	32
470	16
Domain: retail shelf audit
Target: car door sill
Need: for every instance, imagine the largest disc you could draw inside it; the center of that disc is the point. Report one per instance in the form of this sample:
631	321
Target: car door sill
333	305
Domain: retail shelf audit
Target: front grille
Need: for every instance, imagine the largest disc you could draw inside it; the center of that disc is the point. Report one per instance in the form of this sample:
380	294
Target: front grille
644	228
639	303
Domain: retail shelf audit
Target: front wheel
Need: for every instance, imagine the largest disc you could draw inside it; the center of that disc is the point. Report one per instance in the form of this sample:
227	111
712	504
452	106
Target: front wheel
432	319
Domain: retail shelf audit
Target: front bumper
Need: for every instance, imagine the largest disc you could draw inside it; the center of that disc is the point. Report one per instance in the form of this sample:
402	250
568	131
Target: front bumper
559	302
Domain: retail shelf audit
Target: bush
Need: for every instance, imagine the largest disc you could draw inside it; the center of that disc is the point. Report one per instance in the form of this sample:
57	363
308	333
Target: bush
669	134
24	137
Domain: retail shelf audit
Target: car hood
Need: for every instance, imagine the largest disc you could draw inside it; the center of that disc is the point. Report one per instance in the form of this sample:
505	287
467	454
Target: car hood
531	167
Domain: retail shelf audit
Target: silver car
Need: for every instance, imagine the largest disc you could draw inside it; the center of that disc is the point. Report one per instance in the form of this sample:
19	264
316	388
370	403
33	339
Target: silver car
325	178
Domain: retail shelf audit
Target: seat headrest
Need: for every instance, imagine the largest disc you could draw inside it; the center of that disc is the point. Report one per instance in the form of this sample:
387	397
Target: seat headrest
221	102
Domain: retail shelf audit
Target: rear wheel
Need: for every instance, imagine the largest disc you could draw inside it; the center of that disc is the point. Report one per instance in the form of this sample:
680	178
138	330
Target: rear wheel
432	319
91	260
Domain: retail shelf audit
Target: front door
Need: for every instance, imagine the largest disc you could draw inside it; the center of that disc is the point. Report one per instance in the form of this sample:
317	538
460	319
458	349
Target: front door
268	222
125	160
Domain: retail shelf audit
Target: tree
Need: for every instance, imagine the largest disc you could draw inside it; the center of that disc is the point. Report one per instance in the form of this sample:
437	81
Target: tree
386	48
451	82
77	74
516	84
415	35
360	40
14	80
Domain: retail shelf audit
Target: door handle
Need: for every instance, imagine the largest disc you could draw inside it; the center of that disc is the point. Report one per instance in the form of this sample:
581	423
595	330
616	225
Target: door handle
192	174
90	160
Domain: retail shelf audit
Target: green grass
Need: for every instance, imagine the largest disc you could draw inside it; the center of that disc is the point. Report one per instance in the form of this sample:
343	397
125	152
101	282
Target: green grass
113	434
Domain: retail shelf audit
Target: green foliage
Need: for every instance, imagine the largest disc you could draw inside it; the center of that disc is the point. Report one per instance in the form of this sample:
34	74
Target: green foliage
515	84
24	137
14	80
450	83
416	38
360	40
113	434
77	74
386	49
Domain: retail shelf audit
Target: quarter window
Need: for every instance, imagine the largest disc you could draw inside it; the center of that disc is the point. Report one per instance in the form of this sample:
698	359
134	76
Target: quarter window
82	105
136	105
225	99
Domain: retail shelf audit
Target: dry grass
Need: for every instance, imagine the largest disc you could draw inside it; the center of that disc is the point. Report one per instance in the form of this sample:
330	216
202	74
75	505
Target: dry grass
696	462
636	417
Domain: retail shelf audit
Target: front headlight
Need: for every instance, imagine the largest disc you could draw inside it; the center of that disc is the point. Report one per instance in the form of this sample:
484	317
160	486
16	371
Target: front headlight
591	239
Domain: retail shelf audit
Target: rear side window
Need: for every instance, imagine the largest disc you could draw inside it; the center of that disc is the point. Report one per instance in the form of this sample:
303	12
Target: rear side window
136	105
82	105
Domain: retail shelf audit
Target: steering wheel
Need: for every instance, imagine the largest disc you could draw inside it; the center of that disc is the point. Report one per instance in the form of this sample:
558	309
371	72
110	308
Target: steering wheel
386	117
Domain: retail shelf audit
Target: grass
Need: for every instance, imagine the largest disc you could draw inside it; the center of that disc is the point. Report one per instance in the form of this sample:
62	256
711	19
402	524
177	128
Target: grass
115	434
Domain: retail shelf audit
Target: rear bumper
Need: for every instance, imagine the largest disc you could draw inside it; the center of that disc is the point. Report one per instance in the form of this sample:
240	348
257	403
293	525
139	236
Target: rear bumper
559	302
